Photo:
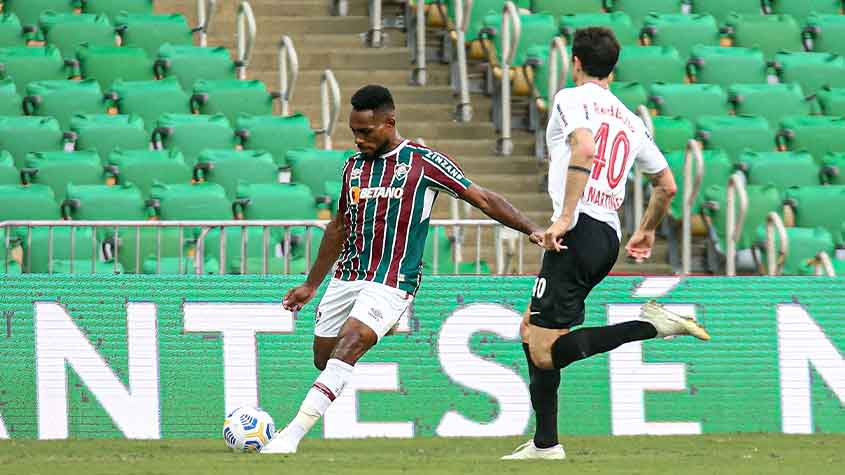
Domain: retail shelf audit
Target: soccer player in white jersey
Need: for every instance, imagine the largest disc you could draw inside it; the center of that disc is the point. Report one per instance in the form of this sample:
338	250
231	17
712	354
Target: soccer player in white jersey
593	142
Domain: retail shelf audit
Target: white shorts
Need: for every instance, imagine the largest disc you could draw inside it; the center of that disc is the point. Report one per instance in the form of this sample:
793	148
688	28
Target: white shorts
376	305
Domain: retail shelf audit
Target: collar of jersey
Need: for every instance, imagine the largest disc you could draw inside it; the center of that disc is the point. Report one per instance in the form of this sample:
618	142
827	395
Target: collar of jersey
396	149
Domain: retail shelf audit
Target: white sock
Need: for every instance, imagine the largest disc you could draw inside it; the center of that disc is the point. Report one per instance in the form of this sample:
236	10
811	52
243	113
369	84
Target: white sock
328	387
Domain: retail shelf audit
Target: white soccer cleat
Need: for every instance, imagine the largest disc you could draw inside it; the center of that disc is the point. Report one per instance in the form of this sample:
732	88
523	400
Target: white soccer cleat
283	442
671	324
528	451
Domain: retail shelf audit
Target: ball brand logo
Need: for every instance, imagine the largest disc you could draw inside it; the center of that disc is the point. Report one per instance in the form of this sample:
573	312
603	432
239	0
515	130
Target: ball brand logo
357	194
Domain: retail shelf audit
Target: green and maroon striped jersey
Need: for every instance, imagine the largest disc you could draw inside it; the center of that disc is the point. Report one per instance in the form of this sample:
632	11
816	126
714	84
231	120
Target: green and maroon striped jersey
386	204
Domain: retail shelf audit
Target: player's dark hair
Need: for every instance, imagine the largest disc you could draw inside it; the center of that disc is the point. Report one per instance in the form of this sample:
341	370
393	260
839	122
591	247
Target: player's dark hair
598	50
373	97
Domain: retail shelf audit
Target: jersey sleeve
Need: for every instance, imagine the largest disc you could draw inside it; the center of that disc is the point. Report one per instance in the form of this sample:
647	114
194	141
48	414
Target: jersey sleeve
650	159
443	173
568	113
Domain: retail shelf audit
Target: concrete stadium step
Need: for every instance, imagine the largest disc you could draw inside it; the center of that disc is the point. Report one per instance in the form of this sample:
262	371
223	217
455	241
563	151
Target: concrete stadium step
353	76
404	96
358	59
474	165
462	147
287	25
408	113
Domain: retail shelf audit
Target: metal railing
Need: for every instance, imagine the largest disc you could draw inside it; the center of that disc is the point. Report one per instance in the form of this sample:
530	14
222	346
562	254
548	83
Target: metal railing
417	31
511	32
775	261
205	12
329	106
288	72
823	265
245	36
691	189
734	221
463	9
375	36
558	68
340	8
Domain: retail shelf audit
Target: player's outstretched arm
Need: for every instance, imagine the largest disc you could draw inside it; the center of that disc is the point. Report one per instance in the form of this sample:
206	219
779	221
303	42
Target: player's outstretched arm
583	149
663	190
498	208
329	251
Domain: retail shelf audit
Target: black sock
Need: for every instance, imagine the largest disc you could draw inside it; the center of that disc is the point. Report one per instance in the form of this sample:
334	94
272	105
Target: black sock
543	387
586	342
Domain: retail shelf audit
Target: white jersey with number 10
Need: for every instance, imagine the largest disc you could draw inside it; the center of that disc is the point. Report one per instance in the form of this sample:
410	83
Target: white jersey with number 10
621	138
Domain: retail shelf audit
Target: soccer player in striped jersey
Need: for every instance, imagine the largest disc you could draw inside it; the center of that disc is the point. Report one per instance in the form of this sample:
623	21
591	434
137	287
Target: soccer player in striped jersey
375	243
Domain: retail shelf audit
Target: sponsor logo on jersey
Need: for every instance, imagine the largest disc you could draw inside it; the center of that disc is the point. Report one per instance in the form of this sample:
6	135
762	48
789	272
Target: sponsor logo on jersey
390	192
446	165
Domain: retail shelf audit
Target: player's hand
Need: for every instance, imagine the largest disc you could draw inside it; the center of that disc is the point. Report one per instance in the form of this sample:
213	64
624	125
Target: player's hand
297	297
640	244
553	237
536	237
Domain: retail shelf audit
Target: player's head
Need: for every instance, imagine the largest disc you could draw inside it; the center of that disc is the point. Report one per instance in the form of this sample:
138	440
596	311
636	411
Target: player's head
373	119
595	51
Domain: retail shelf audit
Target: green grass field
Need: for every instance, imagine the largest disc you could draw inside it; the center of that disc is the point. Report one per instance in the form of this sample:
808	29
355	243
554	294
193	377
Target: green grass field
710	455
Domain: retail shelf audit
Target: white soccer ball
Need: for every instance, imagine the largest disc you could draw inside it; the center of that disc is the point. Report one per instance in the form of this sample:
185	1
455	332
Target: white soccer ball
248	428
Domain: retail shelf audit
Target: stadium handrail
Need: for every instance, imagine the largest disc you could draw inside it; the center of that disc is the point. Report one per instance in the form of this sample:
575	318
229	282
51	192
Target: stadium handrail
463	8
734	221
418	75
823	265
775	262
691	189
205	12
511	33
245	36
329	106
288	72
375	37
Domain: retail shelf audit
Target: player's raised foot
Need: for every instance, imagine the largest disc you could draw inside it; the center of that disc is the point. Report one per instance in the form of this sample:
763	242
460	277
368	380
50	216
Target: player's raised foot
528	451
671	324
283	442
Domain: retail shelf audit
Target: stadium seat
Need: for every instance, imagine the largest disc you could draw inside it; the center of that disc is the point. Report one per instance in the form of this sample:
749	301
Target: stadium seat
639	10
232	97
43	134
113	8
761	201
150	99
831	100
28	202
254	251
229	168
672	133
104	202
333	189
770	34
314	167
190	202
735	134
66	31
689	101
818	135
650	64
804	244
566	7
722	9
782	169
538	29
11	31
811	70
107	64
772	101
10	100
717	169
191	134
726	66
59	169
150	32
36	257
632	94
825	33
29	11
105	133
619	22
190	63
63	99
537	72
8	173
802	9
275	134
145	167
680	31
833	170
27	64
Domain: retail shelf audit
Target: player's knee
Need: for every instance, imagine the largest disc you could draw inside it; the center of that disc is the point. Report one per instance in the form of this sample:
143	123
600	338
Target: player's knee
354	341
541	356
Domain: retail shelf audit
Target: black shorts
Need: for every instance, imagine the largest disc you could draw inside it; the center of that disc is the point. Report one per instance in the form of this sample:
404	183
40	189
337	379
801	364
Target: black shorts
566	277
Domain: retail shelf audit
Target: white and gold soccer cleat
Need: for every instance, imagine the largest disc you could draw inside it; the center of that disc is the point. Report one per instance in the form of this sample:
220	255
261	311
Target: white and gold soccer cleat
671	324
528	451
282	443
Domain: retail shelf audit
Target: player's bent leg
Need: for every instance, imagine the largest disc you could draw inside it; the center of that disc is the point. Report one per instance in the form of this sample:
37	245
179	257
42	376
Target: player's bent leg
323	347
671	324
540	341
355	339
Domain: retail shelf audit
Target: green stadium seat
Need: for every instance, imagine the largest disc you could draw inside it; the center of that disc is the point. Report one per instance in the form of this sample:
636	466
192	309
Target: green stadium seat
689	101
632	94
722	9
232	97
818	135
36	257
105	133
59	169
29	11
113	8
43	134
191	134
150	99
333	189
826	33
831	100
28	202
639	10
83	266
761	201
27	64
566	7
772	101
150	32
11	31
717	169
672	133
735	134
197	202
833	168
537	58
63	99
771	34
537	29
66	31
782	169
190	63
680	31
804	244
143	168
314	167
811	70
9	174
254	251
445	264
107	64
8	265
104	202
229	168
650	64
726	66
275	134
10	100
619	22
802	9
480	9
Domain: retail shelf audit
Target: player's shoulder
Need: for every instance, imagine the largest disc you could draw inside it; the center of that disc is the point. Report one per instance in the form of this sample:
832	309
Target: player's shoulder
570	94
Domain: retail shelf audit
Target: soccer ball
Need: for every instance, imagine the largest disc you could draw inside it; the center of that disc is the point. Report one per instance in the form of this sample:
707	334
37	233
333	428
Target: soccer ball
248	429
